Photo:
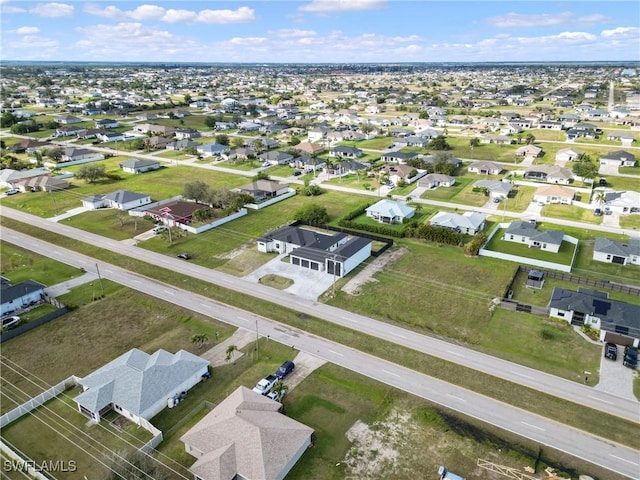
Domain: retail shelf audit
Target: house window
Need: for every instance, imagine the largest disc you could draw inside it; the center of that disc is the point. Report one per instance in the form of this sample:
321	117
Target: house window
510	237
561	314
544	245
608	257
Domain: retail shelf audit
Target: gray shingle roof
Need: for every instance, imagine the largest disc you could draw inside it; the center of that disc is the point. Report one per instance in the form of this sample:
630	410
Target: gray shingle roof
124	196
613	247
529	230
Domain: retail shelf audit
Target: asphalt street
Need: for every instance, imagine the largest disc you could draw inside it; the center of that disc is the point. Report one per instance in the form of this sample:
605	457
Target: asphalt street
607	454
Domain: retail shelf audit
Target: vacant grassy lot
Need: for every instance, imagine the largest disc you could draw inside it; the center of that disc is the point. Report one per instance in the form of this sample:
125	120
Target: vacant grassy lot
564	256
110	223
498	153
629	170
630	221
571	212
623	183
18	265
163	183
461	192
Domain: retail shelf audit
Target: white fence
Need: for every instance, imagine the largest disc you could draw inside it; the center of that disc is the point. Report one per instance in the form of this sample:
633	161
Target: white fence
96	158
17	463
203	228
257	206
157	436
526	260
37	401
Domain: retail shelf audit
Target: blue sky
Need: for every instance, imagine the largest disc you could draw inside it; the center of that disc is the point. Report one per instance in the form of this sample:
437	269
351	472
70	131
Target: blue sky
320	31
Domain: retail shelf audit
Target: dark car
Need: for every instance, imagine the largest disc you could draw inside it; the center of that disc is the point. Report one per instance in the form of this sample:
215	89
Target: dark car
602	182
597	212
611	351
285	369
184	256
297	173
630	357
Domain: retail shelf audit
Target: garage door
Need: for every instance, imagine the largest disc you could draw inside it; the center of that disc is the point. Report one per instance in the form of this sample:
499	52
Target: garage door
619	260
618	339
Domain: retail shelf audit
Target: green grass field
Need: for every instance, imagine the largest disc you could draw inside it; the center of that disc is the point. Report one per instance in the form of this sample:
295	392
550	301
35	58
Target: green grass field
571	212
110	223
18	265
630	221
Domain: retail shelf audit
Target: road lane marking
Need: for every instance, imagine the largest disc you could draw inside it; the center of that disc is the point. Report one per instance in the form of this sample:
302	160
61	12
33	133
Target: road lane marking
455	353
391	373
601	400
532	426
169	292
523	375
398	335
349	319
457	398
623	459
336	353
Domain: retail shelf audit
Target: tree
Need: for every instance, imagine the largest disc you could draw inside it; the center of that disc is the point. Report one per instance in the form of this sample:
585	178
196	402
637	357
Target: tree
91	172
187	99
222	139
601	197
367	128
237	142
530	139
210	122
474	142
54	154
258	145
198	191
585	168
439	143
281	389
262	175
200	339
229	353
313	214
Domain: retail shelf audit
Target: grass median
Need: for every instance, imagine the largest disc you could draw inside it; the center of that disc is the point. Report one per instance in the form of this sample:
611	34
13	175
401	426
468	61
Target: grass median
595	422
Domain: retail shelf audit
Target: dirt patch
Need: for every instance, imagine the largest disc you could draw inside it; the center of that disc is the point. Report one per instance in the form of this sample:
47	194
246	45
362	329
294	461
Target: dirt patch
275	281
235	252
352	287
376	447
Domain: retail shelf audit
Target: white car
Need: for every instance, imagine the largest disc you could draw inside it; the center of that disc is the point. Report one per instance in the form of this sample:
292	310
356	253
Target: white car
12	191
10	322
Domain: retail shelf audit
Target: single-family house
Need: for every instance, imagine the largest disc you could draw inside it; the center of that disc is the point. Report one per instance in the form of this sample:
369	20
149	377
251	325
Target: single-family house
624	202
248	127
246	437
120	200
550	125
619	158
485	168
276	157
106	136
613	251
335	254
616	320
73	154
568	154
496	188
528	234
624	138
318	133
135	165
434	159
554	194
180	145
469	223
187	133
390	211
435	180
137	385
309	148
345	152
308	163
107	123
549	174
399	173
262	190
398	157
212	149
43	183
174	212
529	151
20	296
9	177
413	141
497	139
347	166
67	119
69	130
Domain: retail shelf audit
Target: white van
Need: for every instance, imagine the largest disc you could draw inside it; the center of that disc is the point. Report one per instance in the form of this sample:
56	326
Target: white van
159	229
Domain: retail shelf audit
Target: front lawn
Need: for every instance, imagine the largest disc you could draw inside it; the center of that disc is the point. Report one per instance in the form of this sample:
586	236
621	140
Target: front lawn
629	170
571	212
563	257
630	221
19	265
111	223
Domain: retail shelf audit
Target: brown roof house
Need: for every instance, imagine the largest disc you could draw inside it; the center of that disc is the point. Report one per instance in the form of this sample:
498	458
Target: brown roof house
246	437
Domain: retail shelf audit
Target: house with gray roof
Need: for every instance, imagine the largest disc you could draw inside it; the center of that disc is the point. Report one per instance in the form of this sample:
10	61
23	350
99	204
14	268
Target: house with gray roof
398	157
19	296
613	251
276	157
485	168
549	174
435	180
496	188
624	202
120	200
212	149
469	223
390	211
336	254
246	437
136	165
594	308
345	152
137	385
528	234
619	158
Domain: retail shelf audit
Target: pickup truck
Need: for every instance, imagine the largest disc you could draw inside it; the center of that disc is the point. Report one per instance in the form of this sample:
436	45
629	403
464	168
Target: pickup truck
265	385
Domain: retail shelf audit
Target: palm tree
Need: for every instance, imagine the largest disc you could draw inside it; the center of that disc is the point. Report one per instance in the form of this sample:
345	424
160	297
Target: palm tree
200	339
229	353
601	197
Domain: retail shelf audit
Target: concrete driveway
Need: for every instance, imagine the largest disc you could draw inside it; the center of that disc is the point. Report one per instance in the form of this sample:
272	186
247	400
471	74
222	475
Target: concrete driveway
307	283
615	378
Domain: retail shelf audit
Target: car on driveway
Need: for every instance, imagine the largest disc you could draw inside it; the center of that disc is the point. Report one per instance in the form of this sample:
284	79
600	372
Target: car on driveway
12	191
630	357
611	351
285	369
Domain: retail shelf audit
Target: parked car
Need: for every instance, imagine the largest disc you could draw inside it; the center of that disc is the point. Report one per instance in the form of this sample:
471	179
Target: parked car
602	182
273	395
10	322
285	369
611	351
12	191
607	211
597	212
630	357
184	256
159	229
496	200
265	385
297	173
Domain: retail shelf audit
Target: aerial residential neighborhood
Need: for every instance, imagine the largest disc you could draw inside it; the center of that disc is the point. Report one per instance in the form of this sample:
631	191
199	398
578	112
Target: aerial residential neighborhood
267	268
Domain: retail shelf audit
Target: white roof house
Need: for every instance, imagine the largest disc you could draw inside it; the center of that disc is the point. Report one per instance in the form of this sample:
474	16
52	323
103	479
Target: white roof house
390	211
496	188
246	437
137	385
623	202
469	222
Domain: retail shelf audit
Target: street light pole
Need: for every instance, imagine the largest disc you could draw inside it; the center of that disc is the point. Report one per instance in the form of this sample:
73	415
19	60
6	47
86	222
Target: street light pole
100	280
257	342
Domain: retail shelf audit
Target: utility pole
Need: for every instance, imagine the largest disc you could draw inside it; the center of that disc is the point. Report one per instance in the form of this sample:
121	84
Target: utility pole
257	342
100	280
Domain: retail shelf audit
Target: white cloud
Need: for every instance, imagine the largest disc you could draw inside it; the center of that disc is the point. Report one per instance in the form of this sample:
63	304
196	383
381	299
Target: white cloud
515	20
410	38
53	10
325	6
27	30
6	9
34	42
155	12
241	15
292	33
248	41
593	19
622	32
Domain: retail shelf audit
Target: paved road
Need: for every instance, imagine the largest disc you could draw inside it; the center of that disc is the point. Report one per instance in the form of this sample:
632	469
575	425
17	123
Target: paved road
617	458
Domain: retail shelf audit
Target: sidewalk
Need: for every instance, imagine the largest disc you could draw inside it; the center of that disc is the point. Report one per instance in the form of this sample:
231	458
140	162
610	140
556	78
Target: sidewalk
69	213
65	287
